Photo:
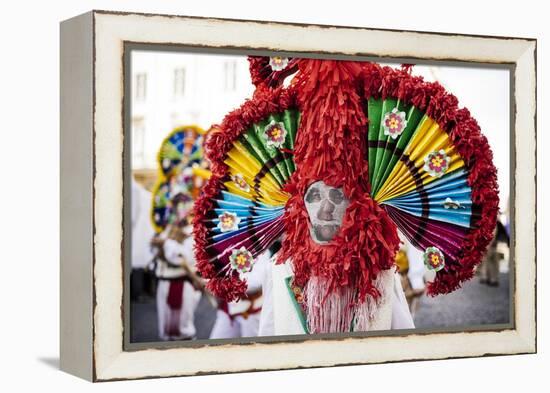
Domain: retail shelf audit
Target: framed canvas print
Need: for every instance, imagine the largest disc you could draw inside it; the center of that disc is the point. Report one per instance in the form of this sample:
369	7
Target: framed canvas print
245	195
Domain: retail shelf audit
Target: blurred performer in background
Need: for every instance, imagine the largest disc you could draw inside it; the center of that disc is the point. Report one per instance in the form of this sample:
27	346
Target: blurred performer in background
242	318
142	232
180	179
489	269
411	270
179	289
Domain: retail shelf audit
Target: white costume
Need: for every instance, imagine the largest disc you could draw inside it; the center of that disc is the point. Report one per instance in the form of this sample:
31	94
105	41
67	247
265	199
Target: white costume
242	318
281	314
177	299
417	271
142	230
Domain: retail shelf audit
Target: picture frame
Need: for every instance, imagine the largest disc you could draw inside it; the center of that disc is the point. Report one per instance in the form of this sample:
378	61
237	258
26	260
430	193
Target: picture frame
93	332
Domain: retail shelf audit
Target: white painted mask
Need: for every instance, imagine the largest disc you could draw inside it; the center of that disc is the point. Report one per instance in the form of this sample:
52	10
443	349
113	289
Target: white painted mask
326	207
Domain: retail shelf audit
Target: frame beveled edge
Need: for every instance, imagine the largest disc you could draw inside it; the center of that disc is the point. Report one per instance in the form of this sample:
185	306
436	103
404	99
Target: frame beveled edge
524	335
76	196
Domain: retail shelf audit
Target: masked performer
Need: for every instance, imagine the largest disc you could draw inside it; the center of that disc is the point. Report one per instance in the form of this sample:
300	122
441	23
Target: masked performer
179	288
142	231
334	163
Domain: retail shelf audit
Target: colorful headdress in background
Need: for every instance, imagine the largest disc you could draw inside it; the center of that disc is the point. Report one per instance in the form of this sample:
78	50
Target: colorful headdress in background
406	156
176	187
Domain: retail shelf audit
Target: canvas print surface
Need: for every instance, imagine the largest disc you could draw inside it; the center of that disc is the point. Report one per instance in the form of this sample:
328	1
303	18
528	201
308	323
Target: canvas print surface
282	196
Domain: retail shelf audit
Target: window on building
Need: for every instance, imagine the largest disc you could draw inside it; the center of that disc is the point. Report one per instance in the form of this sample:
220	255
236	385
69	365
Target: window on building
230	75
138	141
179	82
141	86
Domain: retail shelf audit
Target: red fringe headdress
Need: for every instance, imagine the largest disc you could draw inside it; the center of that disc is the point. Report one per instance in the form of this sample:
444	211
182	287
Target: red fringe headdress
331	146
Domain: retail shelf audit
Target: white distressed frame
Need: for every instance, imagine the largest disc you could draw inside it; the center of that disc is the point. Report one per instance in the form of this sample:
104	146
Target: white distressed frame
96	352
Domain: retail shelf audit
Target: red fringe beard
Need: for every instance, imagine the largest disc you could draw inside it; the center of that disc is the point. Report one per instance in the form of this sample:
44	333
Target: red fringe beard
340	279
365	245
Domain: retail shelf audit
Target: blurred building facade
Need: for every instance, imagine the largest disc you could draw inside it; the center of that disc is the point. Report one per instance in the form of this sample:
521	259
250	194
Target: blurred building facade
171	89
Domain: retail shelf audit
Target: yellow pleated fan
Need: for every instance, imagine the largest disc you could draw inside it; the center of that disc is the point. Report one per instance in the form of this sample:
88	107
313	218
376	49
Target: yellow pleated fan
428	138
418	177
247	213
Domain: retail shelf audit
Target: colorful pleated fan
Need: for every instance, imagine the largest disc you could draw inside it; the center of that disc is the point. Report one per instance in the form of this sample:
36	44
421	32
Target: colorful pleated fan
246	213
174	187
181	148
419	178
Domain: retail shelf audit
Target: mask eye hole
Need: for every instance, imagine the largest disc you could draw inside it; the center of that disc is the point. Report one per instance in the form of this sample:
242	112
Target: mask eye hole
336	196
313	196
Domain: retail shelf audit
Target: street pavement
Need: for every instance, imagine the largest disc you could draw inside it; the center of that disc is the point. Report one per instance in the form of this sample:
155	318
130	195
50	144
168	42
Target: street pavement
144	320
472	305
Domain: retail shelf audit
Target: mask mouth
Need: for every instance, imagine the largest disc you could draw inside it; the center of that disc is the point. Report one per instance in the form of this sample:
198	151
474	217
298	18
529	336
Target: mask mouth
325	232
